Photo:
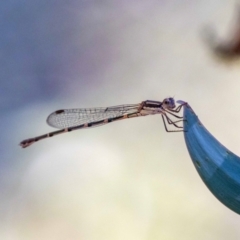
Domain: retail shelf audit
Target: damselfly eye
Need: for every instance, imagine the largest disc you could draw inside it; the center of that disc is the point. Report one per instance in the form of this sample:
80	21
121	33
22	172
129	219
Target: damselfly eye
167	102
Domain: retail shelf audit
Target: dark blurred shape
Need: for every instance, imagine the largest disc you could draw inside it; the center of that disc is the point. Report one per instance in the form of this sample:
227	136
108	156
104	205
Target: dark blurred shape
227	50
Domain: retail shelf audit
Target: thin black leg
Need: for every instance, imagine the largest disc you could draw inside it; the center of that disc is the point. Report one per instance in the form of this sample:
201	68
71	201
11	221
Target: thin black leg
178	109
174	123
170	112
165	125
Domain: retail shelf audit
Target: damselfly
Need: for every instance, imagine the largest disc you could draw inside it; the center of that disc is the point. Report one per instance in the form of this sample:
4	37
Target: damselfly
73	119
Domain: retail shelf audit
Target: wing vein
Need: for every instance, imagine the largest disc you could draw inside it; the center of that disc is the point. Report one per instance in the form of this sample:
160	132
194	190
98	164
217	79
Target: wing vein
73	117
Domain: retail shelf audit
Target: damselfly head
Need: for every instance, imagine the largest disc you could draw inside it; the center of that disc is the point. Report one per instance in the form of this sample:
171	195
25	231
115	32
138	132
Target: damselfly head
168	103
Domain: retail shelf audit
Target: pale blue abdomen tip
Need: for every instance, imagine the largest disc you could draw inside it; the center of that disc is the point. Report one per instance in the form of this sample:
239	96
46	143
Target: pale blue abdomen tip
218	167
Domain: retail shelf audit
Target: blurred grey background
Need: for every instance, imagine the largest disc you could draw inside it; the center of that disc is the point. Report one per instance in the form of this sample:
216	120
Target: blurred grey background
125	180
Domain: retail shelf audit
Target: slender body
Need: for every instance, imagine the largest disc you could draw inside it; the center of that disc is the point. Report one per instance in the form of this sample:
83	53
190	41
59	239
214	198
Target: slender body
68	120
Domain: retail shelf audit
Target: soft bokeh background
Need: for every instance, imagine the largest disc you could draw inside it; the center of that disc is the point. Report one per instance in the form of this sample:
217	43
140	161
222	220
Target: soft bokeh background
126	180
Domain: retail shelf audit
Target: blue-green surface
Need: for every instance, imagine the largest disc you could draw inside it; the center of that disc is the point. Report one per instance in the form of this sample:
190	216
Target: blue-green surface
218	167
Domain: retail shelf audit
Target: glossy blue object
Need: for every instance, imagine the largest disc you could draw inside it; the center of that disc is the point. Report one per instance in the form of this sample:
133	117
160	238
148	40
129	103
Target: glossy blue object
218	167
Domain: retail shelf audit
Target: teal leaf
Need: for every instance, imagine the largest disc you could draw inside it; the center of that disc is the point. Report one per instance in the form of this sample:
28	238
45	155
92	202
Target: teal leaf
218	167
